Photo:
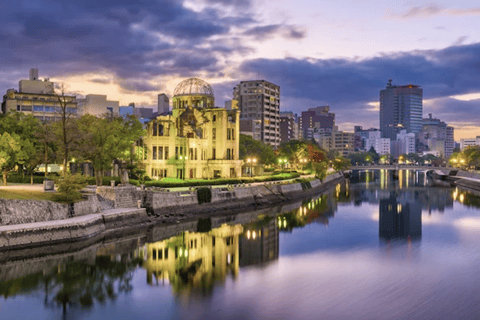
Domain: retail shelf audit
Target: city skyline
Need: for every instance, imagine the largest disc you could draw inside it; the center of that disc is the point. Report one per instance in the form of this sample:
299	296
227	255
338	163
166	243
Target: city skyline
318	54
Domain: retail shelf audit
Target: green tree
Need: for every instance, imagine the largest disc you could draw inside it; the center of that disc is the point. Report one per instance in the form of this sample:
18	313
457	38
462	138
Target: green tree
250	148
294	151
374	156
66	128
320	169
69	186
106	139
10	153
340	163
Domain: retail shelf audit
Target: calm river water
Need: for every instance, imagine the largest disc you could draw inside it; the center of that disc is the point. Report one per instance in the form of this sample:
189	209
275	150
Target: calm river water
374	248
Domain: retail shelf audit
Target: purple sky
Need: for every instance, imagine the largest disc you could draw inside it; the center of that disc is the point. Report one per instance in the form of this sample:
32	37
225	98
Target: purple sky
338	52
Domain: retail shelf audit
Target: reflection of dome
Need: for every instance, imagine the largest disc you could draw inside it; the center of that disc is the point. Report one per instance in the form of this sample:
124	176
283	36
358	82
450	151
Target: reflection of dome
193	86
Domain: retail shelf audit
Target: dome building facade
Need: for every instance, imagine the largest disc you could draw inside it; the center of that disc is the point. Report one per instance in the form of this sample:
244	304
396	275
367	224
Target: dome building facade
196	139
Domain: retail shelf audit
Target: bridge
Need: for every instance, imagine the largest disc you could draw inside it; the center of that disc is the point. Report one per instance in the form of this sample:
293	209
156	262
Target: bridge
397	167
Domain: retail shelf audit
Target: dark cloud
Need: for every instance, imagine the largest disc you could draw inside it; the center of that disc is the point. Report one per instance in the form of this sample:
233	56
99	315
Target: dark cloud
349	84
262	33
131	39
101	81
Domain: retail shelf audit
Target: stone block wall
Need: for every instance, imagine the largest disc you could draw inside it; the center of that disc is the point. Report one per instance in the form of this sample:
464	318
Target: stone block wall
122	197
29	211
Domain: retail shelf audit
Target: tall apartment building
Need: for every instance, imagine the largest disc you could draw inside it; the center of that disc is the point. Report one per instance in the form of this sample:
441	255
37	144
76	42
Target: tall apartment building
437	136
342	142
317	118
259	102
38	98
287	126
400	109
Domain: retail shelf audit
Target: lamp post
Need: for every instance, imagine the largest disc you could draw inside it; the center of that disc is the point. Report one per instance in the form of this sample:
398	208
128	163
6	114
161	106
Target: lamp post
183	159
251	162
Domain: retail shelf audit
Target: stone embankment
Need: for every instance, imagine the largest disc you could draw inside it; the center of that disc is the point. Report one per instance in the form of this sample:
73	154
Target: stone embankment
115	208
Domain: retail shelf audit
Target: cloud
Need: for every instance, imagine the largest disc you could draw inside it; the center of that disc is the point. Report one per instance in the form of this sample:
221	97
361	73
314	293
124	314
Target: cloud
265	32
433	9
460	41
348	85
146	38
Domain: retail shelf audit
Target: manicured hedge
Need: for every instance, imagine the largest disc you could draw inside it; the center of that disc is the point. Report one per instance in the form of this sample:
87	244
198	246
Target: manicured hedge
16	178
160	184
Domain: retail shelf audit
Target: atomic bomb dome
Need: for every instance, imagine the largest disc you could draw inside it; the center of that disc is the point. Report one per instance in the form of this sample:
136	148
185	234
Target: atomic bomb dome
193	86
193	92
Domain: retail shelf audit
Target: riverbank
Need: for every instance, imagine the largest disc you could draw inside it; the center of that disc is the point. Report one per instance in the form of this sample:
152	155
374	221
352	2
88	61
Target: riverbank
161	208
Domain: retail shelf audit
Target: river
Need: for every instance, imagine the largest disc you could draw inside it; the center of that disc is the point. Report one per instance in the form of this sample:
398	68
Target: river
375	247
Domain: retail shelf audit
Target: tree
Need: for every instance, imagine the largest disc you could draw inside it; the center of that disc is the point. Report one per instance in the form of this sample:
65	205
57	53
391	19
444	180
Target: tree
10	153
294	151
320	169
102	140
340	163
250	148
66	129
375	157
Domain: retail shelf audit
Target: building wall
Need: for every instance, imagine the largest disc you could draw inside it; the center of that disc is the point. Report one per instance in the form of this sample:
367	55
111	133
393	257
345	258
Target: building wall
211	150
287	126
342	142
37	97
98	105
401	108
260	100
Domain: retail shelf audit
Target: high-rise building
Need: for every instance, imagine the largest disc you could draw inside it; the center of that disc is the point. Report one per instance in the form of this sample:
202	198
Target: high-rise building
259	100
400	109
38	98
317	118
163	103
437	136
287	126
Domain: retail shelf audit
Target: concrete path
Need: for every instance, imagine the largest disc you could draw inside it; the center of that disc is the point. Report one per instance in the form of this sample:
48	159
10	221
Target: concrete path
26	187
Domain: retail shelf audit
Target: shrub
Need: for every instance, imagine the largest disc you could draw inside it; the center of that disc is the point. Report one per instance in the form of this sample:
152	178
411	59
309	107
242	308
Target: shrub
204	195
134	182
69	187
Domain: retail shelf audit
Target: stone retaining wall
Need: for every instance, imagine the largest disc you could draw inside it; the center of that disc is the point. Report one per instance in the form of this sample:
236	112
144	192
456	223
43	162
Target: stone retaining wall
122	197
29	211
73	229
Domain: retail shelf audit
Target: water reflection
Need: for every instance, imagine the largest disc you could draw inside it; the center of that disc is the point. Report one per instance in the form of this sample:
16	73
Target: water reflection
201	259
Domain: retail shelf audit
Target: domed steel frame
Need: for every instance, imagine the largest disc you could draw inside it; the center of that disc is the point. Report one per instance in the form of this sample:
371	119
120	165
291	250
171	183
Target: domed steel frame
193	93
193	86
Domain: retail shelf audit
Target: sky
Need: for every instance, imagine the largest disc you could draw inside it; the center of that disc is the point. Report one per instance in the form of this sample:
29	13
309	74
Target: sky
335	52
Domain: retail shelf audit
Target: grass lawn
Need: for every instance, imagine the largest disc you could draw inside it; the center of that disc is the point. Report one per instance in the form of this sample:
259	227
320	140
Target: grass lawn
25	194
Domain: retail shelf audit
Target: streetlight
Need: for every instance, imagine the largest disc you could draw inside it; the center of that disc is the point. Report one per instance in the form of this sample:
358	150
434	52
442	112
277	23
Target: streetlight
184	158
251	162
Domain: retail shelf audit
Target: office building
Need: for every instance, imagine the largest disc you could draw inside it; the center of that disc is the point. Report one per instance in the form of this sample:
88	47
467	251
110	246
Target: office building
469	142
317	118
144	115
37	97
98	105
259	102
400	109
163	103
404	144
287	126
437	136
194	140
342	142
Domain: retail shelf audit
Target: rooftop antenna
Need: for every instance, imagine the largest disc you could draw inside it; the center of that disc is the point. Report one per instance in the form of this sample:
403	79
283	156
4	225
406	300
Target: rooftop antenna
389	84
